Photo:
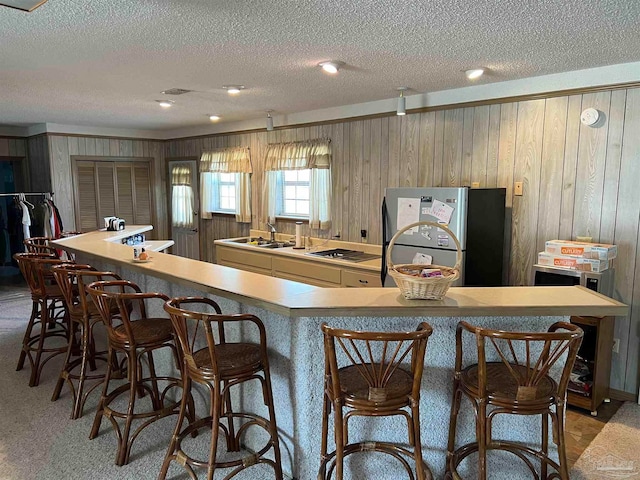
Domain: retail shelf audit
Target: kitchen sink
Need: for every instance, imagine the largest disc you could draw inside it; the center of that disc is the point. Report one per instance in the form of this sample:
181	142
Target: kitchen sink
262	242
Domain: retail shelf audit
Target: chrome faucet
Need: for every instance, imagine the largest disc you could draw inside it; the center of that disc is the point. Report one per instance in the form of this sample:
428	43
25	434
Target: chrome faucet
272	229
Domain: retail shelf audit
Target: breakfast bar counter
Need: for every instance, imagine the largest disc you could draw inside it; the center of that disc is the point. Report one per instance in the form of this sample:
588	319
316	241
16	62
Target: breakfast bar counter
293	312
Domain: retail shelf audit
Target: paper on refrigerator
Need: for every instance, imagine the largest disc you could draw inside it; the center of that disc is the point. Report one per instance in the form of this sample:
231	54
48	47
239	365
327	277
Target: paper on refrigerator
408	213
441	211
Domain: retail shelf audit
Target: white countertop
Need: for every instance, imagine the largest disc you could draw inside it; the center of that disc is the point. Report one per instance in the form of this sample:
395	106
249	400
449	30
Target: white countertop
297	299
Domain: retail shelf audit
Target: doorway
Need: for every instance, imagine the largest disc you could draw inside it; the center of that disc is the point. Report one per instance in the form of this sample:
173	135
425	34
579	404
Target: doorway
11	181
184	208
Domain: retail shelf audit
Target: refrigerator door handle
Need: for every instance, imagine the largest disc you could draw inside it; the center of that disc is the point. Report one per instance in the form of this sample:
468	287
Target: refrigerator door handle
383	269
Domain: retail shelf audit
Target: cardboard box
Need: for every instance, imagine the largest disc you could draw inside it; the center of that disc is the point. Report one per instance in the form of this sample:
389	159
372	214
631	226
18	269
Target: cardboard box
599	251
573	263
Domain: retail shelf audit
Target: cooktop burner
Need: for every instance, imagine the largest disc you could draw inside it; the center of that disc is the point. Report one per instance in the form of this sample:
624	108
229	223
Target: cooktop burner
344	254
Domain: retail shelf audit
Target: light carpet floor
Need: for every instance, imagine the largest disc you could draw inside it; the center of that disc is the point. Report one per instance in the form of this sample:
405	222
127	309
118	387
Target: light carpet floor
615	452
39	441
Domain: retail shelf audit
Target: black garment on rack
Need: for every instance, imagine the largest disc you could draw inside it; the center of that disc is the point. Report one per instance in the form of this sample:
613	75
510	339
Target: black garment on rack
16	233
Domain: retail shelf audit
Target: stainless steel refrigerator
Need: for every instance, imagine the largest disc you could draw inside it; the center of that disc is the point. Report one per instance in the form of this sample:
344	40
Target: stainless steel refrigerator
475	215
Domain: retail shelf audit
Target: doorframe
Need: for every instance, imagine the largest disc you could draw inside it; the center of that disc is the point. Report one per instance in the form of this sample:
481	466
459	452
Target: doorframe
21	179
188	158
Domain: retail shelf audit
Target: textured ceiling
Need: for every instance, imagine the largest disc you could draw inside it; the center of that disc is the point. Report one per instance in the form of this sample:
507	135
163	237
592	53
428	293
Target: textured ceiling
103	63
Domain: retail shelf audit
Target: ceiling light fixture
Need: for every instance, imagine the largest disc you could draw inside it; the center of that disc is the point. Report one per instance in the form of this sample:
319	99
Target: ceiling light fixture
165	103
330	67
214	118
474	73
402	105
269	121
233	89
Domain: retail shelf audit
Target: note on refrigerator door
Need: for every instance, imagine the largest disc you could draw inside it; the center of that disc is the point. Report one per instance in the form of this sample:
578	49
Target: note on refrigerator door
422	259
408	213
441	211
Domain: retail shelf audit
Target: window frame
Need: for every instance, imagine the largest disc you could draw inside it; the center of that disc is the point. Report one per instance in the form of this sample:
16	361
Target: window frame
281	185
216	183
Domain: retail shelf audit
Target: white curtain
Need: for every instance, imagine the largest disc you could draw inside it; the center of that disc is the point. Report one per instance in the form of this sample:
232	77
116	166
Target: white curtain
182	200
227	160
309	154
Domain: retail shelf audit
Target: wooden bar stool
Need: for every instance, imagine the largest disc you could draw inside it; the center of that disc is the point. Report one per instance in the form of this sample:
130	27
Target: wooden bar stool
40	245
380	376
219	366
519	383
48	312
84	315
135	339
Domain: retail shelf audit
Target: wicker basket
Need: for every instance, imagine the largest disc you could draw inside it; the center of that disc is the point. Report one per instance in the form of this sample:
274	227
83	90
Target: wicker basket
407	276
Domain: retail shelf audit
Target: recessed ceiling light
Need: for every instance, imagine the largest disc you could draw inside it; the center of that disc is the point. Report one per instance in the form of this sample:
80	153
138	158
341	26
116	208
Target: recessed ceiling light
474	73
233	89
165	103
330	67
214	118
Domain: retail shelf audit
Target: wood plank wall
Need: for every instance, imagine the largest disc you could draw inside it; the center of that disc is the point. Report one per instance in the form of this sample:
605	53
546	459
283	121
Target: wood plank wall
13	147
63	148
577	180
38	164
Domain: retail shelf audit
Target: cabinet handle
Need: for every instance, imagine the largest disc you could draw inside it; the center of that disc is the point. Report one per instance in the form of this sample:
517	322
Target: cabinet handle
363	281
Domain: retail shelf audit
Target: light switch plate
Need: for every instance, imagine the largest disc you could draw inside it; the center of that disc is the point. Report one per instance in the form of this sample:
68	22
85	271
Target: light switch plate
517	189
475	184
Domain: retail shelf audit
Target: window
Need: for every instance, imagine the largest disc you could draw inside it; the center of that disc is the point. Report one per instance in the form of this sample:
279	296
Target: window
221	189
293	193
297	182
182	201
225	183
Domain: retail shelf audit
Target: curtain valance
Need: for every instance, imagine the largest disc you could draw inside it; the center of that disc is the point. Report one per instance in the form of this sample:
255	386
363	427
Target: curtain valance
181	175
226	160
298	155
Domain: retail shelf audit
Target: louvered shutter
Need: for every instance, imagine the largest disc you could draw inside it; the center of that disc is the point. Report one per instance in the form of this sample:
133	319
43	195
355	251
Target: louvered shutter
86	191
106	190
125	192
142	182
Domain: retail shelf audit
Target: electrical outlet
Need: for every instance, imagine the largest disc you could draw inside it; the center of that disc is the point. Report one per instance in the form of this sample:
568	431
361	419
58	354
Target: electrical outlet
475	184
517	189
363	233
616	345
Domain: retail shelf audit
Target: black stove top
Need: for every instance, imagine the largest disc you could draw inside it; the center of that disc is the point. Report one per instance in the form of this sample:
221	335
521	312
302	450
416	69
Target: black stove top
344	254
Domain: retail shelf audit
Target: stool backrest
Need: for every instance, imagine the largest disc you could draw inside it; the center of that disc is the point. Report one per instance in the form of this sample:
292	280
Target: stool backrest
376	356
36	270
194	320
528	357
72	278
40	245
127	297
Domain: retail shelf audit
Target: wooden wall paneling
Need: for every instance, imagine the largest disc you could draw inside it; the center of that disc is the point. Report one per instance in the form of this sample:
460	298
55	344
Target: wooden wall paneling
343	229
82	146
126	148
592	150
356	159
467	147
73	145
384	162
395	142
612	166
555	125
11	147
438	156
374	235
366	181
506	166
159	190
17	147
453	134
90	146
410	138
426	148
61	183
337	152
480	145
627	285
493	146
4	147
525	208
138	148
570	167
114	147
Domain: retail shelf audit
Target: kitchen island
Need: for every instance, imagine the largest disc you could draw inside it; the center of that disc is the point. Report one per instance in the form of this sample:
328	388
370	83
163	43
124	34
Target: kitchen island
292	313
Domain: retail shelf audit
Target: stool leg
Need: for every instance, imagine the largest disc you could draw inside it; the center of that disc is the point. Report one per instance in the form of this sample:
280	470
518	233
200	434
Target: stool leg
453	422
124	448
215	427
186	394
562	452
339	438
111	359
417	443
65	367
87	335
326	405
155	398
27	335
481	438
273	429
544	446
232	442
44	324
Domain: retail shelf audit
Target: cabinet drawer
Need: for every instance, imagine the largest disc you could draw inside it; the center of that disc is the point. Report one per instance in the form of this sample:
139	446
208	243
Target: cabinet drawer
226	256
311	270
352	278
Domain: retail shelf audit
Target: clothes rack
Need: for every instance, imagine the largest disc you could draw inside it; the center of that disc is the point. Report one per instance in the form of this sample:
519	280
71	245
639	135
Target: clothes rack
31	194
